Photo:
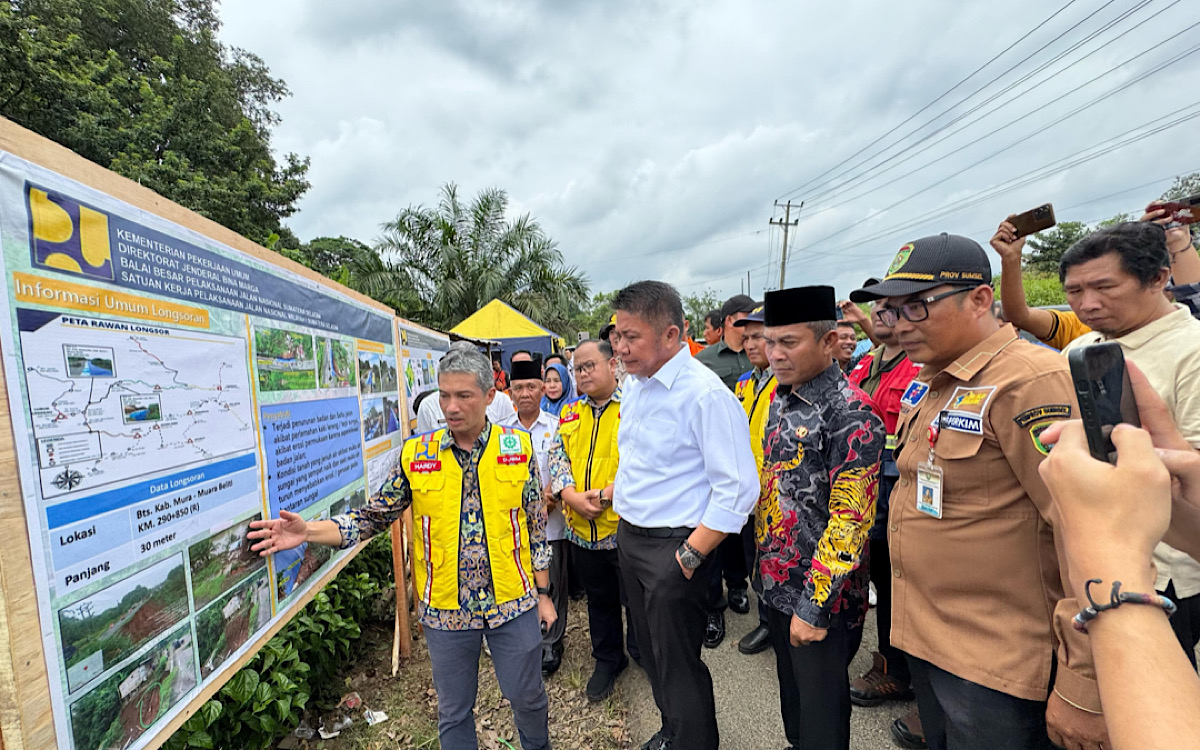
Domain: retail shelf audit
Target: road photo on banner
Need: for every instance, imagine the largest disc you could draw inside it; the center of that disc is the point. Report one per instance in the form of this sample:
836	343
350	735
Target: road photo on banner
104	628
221	561
225	625
285	360
120	709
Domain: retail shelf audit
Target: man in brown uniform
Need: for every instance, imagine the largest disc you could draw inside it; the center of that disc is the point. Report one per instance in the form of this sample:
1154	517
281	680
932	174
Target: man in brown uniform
977	593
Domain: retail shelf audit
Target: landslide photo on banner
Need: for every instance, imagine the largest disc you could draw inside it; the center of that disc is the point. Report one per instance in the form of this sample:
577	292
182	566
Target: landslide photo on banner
167	390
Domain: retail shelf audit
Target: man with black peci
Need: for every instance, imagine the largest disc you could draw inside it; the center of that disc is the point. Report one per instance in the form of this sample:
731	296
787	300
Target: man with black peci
823	442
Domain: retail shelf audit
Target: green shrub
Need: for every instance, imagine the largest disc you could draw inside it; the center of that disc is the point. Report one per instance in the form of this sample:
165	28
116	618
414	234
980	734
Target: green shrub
267	698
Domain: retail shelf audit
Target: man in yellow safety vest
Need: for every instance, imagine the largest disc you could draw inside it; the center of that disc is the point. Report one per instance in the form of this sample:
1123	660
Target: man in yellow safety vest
480	551
583	464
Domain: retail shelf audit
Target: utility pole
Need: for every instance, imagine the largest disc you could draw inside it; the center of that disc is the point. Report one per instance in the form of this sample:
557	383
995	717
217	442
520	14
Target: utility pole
786	224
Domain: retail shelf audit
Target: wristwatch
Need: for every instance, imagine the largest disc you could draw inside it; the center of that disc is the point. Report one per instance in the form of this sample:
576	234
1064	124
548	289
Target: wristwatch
690	556
546	590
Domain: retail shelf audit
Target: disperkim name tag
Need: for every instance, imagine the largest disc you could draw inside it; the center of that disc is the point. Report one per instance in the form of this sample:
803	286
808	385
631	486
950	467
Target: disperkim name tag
966	409
929	489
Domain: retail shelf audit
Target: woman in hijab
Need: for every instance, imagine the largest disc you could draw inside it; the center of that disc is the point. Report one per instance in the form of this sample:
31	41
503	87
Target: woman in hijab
558	389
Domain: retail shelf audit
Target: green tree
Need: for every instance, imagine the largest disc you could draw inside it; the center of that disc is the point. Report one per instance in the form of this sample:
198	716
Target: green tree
332	257
1184	187
1045	249
144	88
439	265
697	306
594	316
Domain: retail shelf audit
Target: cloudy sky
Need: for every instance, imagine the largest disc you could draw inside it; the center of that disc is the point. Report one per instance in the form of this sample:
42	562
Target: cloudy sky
652	138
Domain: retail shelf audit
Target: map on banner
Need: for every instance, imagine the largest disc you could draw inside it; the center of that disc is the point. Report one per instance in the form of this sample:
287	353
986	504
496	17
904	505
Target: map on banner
166	392
110	401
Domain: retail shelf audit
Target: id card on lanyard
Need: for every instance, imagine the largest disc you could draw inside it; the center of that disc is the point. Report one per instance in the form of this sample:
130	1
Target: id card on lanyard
929	476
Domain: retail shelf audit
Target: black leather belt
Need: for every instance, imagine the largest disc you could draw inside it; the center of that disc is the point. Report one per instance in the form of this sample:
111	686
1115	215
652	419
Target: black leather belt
659	532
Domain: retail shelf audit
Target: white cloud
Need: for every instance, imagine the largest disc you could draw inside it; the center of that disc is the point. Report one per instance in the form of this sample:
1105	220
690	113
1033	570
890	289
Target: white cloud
650	139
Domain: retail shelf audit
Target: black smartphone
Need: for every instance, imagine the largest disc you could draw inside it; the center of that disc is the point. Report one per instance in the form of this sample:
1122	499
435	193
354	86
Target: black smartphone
1104	393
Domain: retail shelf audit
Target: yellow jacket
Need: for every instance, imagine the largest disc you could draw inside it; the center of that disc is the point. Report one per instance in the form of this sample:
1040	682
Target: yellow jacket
758	407
591	446
436	480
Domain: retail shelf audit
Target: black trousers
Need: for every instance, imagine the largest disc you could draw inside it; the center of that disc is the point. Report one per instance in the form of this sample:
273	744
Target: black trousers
559	551
600	574
1186	621
881	576
750	552
961	715
731	568
814	687
669	616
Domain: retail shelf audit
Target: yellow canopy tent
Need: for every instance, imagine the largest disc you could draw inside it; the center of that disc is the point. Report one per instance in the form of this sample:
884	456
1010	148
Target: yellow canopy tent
498	321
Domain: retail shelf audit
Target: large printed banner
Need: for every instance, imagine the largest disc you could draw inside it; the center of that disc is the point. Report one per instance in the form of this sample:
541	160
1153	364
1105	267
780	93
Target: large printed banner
420	351
167	390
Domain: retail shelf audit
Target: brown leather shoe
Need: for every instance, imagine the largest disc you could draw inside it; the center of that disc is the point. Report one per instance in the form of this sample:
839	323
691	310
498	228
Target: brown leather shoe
877	686
907	732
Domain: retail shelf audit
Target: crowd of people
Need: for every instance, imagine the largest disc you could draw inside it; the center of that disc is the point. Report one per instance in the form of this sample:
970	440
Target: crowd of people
828	458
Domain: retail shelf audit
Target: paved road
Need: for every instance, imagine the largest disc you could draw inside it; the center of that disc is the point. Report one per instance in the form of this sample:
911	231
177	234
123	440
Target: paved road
747	694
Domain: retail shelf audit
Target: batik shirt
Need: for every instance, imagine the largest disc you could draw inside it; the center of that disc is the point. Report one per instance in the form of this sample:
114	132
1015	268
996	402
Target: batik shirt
822	452
476	594
561	476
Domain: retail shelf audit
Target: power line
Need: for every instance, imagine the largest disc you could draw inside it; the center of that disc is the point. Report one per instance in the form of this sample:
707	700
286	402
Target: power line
987	158
875	170
947	92
1018	182
1061	211
1061	165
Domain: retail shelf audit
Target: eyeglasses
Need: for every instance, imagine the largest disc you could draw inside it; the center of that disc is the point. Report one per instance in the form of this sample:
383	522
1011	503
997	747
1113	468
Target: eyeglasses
583	368
914	311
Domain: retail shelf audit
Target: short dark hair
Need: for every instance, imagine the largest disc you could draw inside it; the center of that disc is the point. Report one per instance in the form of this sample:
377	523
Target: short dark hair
844	324
522	351
820	328
715	319
1140	245
654	301
559	357
603	345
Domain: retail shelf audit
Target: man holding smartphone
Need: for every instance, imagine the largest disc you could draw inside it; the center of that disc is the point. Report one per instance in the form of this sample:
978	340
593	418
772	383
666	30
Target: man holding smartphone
975	572
1114	280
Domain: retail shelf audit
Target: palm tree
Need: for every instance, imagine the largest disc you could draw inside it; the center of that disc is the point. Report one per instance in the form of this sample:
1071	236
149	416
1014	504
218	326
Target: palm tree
440	265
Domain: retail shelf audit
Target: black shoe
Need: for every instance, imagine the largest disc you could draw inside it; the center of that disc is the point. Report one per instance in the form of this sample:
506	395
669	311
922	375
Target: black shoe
715	632
739	601
907	731
756	641
551	660
604	679
658	742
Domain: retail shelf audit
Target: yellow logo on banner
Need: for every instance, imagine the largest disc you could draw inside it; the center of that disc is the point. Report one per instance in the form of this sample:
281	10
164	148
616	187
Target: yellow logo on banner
68	236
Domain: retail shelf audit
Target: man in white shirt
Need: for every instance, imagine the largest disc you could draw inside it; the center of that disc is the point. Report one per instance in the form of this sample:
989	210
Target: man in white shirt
525	382
686	479
430	416
1114	281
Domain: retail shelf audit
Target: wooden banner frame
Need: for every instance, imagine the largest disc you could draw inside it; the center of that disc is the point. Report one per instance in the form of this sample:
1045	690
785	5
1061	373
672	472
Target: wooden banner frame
26	714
